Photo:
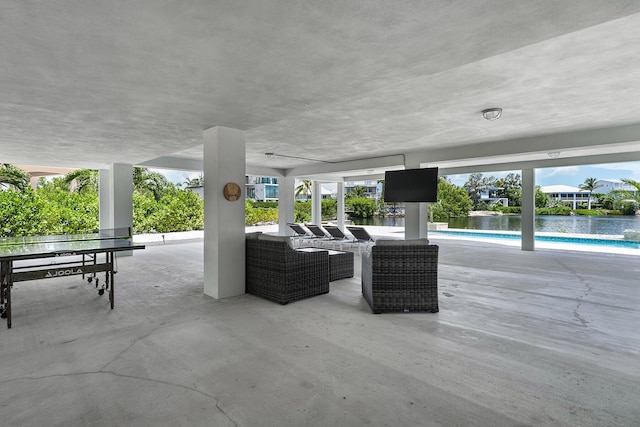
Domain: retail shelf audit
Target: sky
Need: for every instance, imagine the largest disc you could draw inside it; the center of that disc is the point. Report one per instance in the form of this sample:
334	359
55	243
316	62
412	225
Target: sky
570	175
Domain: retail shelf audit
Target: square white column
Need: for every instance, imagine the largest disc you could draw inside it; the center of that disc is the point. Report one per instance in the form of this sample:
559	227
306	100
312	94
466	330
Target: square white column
528	209
286	200
316	203
340	197
415	214
116	198
224	220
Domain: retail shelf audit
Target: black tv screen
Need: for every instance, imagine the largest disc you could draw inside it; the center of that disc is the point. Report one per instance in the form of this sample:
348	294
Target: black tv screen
411	185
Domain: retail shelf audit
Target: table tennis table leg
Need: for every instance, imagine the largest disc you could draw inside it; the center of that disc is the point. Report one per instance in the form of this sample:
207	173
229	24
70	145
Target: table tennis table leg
5	291
2	268
110	257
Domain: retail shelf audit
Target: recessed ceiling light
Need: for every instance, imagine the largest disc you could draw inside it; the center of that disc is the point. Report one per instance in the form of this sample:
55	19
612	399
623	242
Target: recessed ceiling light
492	113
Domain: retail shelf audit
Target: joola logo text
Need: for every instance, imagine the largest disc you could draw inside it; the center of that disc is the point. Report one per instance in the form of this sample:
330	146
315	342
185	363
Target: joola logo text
67	272
66	254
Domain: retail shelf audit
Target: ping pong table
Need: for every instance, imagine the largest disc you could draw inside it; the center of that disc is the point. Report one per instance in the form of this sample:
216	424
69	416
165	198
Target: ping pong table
23	258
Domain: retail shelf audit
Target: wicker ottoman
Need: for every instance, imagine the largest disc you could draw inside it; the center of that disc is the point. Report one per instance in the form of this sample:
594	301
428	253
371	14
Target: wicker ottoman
340	263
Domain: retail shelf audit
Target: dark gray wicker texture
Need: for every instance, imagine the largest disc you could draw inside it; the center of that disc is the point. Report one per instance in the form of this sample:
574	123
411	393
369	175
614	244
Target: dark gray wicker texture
340	265
401	278
276	271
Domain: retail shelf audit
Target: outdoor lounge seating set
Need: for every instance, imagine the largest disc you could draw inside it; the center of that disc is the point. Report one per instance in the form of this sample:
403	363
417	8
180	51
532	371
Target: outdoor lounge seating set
397	275
401	276
278	272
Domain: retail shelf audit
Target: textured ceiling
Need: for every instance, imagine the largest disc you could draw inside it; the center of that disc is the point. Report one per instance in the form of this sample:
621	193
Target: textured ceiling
86	84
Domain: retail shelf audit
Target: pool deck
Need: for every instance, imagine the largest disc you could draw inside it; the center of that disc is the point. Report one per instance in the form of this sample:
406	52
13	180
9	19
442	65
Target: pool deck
546	338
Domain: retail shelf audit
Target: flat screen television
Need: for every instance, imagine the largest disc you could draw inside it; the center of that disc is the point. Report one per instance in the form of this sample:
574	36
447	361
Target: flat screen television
411	185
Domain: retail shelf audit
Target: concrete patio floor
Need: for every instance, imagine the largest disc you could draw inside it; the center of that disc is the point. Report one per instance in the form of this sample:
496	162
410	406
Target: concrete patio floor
522	338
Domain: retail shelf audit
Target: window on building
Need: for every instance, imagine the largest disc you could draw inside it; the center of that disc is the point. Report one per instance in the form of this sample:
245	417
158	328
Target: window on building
271	191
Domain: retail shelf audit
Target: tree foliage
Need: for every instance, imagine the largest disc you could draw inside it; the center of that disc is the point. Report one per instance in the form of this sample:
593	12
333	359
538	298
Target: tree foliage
11	176
509	186
304	188
86	180
362	207
147	182
590	185
453	201
358	192
476	184
20	213
256	212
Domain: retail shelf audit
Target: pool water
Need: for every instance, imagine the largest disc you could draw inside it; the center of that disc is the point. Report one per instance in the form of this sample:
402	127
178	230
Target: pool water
629	244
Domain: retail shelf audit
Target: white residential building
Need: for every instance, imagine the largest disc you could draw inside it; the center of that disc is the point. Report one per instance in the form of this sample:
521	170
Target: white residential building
566	193
607	185
261	188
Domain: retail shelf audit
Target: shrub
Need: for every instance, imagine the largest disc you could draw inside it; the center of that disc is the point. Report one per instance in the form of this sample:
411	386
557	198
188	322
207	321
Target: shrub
508	209
145	208
329	208
558	210
591	212
179	211
362	207
271	204
453	202
20	213
254	213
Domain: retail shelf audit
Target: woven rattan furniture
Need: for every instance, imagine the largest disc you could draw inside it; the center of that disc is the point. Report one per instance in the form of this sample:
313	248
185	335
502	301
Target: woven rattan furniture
401	276
340	263
276	271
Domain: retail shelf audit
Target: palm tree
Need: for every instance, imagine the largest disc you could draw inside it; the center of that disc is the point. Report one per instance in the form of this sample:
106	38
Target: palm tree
195	182
359	191
632	195
304	188
11	176
590	184
150	182
476	184
85	179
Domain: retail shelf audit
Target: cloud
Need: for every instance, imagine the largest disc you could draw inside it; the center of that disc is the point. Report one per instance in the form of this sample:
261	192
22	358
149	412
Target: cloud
631	169
566	170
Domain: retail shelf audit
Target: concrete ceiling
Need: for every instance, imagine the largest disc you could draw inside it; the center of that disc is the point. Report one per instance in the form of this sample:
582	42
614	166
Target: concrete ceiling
86	84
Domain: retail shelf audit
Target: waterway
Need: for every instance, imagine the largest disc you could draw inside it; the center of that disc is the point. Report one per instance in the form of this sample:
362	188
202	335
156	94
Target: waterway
613	225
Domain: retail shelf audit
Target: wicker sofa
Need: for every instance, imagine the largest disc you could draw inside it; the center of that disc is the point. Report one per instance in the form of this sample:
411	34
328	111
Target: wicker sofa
400	276
276	271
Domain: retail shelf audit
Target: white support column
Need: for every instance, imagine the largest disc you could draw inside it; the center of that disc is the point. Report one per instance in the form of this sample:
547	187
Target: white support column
116	198
316	203
286	201
224	244
415	214
528	209
340	214
104	194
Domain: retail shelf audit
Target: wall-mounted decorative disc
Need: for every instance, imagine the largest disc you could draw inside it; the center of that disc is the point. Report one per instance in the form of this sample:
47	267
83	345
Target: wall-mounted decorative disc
232	191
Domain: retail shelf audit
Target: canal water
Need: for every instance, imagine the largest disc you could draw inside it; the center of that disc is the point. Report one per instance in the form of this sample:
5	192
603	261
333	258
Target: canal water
607	225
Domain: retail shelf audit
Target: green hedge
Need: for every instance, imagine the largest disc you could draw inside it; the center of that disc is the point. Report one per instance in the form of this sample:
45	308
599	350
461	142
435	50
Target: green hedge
588	212
362	207
257	214
557	210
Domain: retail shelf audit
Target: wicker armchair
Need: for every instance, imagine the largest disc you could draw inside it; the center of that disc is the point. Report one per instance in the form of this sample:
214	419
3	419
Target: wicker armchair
400	276
276	271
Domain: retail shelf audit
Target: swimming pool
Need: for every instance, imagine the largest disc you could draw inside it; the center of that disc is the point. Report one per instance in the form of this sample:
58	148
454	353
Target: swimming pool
629	244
